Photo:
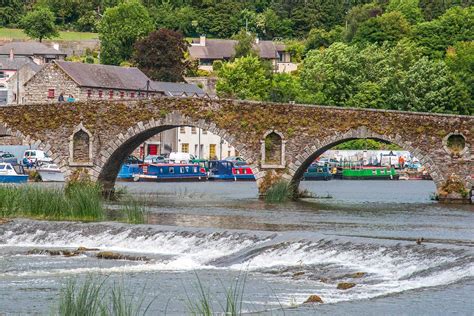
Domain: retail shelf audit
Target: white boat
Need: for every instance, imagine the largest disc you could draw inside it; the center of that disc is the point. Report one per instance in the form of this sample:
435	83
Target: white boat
12	173
50	173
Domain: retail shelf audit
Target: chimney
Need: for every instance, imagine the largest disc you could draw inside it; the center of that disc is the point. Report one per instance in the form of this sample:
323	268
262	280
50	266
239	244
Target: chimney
202	40
12	55
257	40
56	46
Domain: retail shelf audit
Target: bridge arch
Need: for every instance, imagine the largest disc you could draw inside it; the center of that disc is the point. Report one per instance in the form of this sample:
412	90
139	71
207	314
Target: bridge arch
314	150
111	158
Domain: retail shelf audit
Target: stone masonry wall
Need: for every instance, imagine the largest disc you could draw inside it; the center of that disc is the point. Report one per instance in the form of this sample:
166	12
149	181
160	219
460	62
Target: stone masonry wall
307	131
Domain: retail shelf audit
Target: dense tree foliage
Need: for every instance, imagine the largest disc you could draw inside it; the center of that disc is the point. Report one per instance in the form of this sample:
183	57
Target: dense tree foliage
39	24
388	54
120	28
161	55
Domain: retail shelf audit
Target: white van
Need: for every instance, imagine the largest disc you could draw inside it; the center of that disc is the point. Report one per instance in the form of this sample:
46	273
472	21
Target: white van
181	157
36	156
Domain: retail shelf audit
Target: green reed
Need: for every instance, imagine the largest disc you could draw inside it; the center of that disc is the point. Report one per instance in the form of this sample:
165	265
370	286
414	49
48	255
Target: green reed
133	211
279	192
94	297
81	203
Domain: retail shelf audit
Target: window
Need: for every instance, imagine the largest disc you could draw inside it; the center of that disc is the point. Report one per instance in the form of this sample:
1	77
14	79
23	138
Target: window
132	94
50	93
111	94
171	170
212	151
185	147
193	130
122	94
182	129
100	93
89	93
2	75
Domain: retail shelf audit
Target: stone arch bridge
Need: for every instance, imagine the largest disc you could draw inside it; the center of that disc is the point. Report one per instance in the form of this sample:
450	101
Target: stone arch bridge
279	141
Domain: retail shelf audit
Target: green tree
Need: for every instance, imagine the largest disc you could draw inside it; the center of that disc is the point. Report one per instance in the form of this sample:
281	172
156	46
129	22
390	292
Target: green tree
318	38
161	55
39	24
460	60
358	15
10	12
389	27
245	78
430	87
408	8
120	28
332	74
456	25
245	44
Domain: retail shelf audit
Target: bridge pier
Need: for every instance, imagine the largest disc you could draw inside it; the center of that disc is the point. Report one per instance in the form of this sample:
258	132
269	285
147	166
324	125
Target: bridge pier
455	191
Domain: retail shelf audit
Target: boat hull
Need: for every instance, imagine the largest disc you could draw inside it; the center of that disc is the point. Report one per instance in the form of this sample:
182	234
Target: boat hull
150	178
388	177
13	178
51	176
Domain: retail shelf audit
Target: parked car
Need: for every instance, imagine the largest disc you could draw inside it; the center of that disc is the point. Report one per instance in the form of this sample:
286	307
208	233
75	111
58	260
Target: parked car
34	156
179	157
132	160
7	157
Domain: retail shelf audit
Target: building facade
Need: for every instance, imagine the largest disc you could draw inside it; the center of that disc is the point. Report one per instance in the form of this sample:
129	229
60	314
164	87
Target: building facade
206	51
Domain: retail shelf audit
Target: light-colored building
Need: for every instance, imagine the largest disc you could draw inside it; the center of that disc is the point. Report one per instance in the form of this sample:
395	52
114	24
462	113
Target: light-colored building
188	139
206	51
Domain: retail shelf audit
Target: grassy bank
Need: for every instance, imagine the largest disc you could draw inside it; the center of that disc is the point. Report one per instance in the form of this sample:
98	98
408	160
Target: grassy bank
18	34
80	202
279	192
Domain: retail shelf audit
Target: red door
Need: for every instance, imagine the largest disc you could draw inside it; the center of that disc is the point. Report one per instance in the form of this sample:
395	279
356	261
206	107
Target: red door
152	149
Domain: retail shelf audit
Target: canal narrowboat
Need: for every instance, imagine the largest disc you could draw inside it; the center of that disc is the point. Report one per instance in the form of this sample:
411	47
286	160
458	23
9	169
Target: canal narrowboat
317	172
171	172
128	171
226	170
372	173
12	173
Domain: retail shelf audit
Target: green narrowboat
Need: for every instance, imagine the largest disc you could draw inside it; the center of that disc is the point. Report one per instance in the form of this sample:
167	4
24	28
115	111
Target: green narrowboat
370	174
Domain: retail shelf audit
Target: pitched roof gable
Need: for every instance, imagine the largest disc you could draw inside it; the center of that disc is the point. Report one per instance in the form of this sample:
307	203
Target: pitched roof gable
225	49
104	76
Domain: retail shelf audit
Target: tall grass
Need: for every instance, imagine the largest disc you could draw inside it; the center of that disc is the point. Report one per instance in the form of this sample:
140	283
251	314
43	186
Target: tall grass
233	299
93	297
133	211
80	203
279	192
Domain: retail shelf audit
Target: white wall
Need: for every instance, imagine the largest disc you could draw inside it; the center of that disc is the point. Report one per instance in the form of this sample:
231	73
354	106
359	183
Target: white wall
203	142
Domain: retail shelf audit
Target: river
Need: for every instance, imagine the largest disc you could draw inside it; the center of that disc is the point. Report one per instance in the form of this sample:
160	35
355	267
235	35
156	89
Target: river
214	232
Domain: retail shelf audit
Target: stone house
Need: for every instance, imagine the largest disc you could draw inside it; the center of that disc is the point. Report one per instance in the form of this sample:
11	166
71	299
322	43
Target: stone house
38	52
98	82
206	51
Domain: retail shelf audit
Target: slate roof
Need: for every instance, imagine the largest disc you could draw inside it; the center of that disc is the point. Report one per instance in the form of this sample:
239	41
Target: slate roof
224	49
13	64
176	89
28	49
104	76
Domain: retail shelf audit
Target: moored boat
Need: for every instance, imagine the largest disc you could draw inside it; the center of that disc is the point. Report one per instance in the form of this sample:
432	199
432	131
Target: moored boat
372	173
171	172
129	171
227	170
317	172
50	173
12	173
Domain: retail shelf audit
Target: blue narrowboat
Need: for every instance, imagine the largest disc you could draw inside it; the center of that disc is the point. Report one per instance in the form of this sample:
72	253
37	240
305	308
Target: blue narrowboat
171	172
12	173
127	172
225	170
318	172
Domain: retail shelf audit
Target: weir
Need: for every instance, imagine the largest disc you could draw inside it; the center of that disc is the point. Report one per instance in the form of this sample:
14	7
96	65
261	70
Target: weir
278	141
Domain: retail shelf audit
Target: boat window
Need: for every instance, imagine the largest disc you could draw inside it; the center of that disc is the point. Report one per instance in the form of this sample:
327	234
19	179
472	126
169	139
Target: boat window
374	172
161	170
181	170
320	170
171	170
195	169
2	167
187	169
9	167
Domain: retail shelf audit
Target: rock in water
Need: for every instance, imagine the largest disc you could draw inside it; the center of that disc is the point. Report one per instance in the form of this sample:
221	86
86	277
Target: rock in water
314	299
345	285
297	274
117	256
358	275
4	221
